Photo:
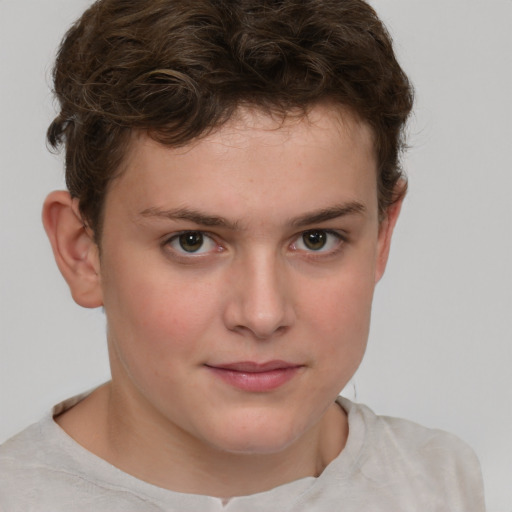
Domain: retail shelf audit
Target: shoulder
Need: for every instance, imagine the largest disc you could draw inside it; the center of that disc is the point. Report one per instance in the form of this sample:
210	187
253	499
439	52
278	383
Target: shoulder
39	446
401	437
42	468
22	459
22	447
415	459
432	447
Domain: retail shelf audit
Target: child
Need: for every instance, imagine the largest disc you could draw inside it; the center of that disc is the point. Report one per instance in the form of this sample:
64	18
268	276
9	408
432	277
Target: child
233	183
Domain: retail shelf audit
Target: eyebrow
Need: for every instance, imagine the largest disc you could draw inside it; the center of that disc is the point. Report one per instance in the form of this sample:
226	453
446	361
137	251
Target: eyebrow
204	219
325	214
194	216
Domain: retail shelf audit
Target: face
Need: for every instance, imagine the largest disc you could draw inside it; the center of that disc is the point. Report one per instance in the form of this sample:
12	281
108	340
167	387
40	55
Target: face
237	276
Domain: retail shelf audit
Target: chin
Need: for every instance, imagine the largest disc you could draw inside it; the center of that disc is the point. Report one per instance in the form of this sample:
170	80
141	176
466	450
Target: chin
262	437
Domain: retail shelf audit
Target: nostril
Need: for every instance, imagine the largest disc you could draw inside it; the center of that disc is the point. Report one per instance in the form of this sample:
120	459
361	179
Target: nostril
259	333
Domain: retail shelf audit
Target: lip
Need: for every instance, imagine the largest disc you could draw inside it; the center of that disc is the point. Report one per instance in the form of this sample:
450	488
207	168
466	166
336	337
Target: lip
255	377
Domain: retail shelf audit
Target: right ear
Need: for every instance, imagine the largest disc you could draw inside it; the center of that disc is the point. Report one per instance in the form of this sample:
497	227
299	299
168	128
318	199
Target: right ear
74	248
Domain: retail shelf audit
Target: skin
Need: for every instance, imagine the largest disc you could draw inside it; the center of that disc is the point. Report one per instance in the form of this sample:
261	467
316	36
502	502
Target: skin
253	291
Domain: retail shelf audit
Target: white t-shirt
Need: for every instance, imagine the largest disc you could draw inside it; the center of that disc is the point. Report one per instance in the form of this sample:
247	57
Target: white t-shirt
387	465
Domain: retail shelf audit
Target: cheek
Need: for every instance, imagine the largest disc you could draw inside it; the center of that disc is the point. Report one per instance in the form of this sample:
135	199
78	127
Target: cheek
158	313
156	333
340	319
343	303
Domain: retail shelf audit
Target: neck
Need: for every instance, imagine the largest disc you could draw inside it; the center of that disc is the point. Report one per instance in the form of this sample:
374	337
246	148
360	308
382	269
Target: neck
112	426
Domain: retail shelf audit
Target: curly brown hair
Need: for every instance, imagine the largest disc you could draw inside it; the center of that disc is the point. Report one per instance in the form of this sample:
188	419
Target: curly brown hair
178	69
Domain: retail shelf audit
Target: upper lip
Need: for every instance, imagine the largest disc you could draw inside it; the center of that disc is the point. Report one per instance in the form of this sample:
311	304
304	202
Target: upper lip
253	367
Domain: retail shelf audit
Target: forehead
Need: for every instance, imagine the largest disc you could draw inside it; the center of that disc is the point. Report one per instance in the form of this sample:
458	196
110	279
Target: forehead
251	126
256	161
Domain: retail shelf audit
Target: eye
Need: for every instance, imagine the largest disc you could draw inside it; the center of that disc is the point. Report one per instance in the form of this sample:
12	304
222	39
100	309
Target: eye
318	240
192	242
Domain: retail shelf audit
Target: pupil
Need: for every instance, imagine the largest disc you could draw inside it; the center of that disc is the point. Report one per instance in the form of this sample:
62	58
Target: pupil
315	240
191	241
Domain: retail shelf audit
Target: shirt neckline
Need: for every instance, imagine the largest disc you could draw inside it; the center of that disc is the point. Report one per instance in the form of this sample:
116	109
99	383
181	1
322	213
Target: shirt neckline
97	471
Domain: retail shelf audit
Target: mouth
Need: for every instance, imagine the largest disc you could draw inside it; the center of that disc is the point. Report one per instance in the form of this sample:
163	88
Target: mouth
255	377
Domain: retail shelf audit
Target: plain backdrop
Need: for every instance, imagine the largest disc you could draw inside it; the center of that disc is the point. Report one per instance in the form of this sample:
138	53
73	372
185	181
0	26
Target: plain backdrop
440	349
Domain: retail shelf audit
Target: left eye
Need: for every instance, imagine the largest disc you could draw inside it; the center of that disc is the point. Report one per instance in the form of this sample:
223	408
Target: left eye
192	242
317	240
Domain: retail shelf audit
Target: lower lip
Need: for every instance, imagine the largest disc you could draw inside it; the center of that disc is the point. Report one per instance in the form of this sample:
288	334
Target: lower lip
256	382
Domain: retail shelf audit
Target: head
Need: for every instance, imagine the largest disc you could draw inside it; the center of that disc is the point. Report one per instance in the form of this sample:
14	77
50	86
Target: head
178	70
234	179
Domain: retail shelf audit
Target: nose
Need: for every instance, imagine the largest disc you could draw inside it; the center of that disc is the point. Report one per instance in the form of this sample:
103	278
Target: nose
259	302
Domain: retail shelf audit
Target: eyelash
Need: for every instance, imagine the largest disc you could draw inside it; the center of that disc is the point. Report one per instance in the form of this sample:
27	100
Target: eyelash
340	240
182	254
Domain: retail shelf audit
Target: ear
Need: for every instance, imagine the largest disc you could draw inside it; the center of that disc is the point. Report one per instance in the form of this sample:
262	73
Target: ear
74	249
386	227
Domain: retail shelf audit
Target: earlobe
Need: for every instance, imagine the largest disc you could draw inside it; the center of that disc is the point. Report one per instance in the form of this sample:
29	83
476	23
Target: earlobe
74	248
386	228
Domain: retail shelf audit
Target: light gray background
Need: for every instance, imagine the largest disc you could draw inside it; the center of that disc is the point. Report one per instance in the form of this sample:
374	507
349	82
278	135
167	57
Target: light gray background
440	349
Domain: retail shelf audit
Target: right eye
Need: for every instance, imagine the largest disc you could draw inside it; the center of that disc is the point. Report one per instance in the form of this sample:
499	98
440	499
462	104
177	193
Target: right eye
192	242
